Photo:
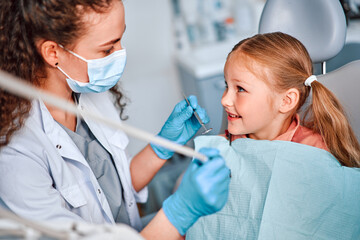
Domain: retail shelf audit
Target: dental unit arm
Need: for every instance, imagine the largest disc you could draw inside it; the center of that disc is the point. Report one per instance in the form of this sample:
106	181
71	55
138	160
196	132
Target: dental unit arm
12	226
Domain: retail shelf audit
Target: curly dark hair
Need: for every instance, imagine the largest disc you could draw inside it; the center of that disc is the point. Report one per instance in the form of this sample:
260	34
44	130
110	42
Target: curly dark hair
22	23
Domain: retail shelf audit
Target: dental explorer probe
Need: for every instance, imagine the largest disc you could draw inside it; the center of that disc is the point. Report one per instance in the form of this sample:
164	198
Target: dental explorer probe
198	117
19	87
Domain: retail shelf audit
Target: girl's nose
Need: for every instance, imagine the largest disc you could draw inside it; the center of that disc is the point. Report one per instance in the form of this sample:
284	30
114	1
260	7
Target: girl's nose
226	99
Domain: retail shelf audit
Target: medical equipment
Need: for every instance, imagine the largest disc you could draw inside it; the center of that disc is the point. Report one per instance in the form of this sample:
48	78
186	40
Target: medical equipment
180	127
198	117
229	136
15	227
16	86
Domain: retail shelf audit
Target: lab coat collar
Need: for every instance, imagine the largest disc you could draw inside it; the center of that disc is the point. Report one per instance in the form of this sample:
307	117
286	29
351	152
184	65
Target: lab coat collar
108	136
57	135
64	144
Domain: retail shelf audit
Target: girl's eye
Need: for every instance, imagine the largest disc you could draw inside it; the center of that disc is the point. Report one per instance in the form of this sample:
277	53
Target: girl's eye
226	86
240	89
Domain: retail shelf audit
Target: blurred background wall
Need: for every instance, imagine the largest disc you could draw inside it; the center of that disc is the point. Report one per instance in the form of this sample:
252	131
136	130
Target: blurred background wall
150	80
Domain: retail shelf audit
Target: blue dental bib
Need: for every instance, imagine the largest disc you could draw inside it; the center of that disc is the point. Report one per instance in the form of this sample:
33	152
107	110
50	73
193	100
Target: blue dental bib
282	190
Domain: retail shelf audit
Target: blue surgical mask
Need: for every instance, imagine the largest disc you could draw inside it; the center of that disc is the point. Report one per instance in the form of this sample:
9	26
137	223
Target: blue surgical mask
103	73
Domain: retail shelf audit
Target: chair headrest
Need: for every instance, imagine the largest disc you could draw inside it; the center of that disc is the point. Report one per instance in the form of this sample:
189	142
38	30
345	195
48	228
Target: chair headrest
319	24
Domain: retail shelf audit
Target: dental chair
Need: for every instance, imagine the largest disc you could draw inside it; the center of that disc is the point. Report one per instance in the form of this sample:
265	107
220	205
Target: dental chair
3	205
349	53
321	26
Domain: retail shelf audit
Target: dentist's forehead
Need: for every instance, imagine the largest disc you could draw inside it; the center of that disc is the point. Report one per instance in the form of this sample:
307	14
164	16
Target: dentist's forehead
102	27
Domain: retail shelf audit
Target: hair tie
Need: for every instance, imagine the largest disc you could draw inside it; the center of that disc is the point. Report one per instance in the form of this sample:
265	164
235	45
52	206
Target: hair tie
309	80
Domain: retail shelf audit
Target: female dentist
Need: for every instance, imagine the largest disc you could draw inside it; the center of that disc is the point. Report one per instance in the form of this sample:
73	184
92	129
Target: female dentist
56	166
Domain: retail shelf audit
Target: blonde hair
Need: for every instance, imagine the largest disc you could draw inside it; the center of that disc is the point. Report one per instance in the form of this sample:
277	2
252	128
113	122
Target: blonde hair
289	65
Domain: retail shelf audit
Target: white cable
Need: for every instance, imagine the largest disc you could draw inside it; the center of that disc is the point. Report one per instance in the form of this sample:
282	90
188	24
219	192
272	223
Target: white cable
19	87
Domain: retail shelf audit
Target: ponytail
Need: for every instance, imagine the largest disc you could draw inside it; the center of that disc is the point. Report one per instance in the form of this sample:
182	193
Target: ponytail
328	118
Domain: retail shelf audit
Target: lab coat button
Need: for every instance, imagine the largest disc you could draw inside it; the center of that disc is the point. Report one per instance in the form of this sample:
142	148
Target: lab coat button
58	146
130	204
99	190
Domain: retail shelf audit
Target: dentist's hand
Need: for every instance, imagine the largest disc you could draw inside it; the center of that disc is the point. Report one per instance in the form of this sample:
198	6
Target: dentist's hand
203	190
181	125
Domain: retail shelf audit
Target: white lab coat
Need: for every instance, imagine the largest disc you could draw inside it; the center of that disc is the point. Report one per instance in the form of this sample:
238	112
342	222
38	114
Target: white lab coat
43	175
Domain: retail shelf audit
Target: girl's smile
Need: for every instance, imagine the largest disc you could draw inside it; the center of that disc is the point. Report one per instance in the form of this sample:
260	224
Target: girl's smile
232	117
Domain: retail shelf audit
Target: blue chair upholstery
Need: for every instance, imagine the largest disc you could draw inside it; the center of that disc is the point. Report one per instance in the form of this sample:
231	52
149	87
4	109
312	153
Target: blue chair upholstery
349	53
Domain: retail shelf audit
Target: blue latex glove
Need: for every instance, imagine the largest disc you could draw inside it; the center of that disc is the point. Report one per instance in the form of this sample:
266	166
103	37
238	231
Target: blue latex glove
181	125
204	190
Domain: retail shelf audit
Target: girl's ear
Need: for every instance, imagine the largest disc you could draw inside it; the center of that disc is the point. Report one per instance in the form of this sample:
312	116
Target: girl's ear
290	100
49	51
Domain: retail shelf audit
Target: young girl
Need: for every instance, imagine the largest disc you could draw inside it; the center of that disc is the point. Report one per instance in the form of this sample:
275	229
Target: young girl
282	189
268	79
55	166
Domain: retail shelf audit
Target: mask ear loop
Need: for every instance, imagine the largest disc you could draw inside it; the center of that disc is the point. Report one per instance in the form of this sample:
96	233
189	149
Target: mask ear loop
75	54
62	71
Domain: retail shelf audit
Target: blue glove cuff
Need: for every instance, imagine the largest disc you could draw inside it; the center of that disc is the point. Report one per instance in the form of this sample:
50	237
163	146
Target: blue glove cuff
162	152
180	216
